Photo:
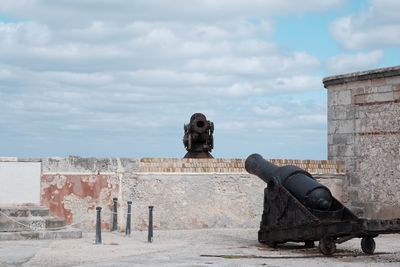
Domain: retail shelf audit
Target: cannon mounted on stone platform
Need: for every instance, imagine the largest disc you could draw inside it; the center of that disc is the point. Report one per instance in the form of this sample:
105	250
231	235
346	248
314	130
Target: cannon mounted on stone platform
299	209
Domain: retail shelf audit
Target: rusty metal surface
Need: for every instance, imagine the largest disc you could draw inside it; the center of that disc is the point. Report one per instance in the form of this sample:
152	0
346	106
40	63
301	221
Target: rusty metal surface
198	137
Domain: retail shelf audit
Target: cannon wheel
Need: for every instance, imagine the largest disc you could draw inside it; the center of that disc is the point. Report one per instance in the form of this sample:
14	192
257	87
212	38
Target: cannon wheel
368	245
327	246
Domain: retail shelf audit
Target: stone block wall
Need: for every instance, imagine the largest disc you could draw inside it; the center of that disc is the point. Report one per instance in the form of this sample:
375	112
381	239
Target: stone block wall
186	193
364	132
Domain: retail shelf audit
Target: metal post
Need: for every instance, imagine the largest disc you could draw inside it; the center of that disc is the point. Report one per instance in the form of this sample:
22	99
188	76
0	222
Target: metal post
114	215
150	232
98	225
128	220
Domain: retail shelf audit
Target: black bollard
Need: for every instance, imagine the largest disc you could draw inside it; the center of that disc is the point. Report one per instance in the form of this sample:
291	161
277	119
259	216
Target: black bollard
150	232
98	225
114	215
128	220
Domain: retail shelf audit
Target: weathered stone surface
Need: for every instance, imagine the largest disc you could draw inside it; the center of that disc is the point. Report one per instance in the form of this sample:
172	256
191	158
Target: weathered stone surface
186	193
379	158
341	112
95	165
341	127
378	118
192	201
368	142
339	97
75	197
19	222
360	79
28	235
342	150
343	139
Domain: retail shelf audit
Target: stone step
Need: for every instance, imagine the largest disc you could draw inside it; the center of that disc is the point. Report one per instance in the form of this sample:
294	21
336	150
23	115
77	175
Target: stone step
24	211
25	235
55	223
32	222
15	224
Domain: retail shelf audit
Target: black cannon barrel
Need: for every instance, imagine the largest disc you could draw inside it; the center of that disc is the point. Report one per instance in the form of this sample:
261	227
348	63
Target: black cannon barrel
257	165
297	181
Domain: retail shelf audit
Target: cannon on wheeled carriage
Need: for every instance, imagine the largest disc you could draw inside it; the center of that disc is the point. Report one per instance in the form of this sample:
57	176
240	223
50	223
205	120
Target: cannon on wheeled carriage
299	209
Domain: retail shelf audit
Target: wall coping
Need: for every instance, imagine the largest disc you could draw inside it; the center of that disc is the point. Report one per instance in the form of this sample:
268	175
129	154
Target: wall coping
78	165
220	165
16	159
361	75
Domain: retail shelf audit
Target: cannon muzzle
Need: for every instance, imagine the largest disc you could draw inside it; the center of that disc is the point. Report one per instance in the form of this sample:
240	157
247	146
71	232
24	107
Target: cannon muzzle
198	138
297	181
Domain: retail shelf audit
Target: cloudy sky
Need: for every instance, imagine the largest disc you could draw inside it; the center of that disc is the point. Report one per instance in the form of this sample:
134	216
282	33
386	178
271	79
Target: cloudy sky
121	77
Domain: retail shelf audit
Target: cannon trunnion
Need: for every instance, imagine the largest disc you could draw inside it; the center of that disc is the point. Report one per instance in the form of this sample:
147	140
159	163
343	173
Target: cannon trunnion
299	209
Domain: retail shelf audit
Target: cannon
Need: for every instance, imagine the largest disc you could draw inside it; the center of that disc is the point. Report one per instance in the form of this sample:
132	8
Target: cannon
198	137
299	209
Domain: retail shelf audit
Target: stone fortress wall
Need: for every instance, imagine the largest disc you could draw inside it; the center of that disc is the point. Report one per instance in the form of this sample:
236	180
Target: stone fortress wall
186	193
364	132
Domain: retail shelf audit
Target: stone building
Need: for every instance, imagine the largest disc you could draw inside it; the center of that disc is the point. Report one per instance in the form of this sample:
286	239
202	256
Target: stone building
364	131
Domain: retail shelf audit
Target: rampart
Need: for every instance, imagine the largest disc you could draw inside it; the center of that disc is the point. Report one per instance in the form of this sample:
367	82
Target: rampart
186	193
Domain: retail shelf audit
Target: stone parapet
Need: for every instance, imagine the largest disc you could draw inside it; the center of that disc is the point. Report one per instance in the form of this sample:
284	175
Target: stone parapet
374	75
186	193
89	165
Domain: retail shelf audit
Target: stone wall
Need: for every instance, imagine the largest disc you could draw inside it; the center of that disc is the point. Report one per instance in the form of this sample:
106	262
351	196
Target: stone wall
186	193
364	131
72	187
19	181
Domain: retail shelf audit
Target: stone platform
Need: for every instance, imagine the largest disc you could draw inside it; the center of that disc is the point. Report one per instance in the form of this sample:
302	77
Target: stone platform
203	247
32	222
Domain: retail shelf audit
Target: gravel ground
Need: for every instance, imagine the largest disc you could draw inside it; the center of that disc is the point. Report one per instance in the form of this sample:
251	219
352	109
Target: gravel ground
206	247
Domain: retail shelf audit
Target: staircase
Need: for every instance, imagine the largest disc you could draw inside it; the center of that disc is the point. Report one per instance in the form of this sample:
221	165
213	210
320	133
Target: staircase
33	222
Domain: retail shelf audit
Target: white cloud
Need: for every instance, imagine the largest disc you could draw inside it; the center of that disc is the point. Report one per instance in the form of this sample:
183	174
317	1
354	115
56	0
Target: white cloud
297	83
265	64
71	12
29	33
78	71
377	26
269	110
318	119
354	62
238	89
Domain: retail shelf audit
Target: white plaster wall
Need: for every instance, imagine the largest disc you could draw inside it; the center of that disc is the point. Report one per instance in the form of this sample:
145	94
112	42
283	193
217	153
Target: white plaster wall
20	182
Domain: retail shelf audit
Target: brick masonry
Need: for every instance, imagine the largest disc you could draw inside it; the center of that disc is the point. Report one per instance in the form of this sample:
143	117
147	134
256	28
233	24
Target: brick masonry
364	132
232	165
186	193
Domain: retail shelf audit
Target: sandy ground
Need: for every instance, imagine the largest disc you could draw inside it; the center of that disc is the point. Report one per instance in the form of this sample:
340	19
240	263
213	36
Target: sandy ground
210	247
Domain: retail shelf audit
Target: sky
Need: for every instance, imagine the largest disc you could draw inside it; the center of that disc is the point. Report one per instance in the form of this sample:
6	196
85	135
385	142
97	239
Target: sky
120	78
